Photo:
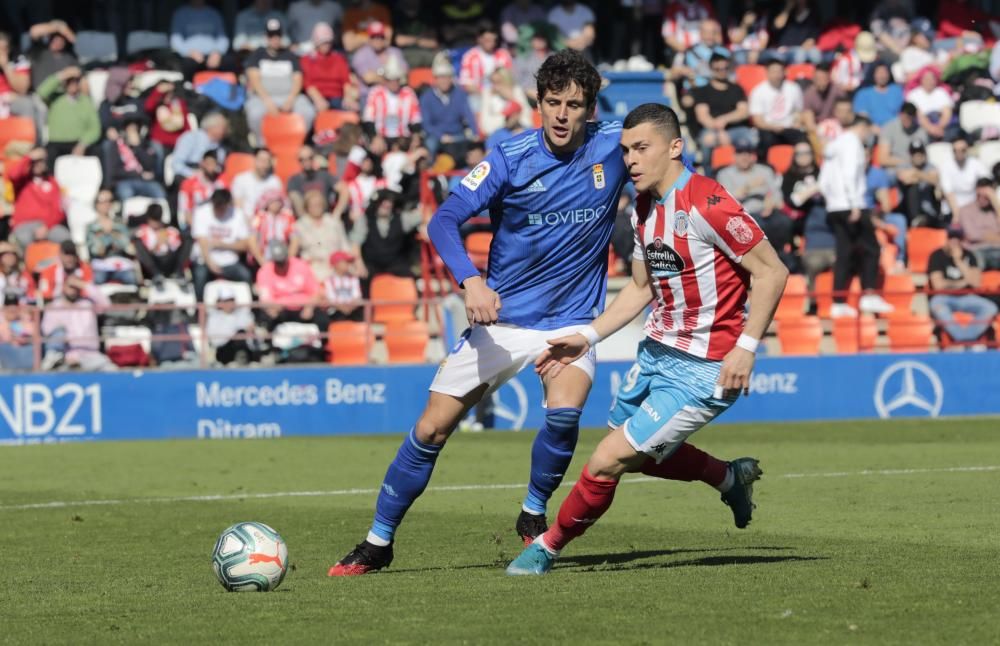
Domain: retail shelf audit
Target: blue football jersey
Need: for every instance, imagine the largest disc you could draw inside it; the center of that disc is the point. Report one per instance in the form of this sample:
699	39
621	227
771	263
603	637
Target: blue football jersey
552	218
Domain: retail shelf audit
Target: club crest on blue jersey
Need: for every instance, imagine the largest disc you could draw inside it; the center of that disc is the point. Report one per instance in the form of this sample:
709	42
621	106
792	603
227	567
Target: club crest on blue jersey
598	176
680	223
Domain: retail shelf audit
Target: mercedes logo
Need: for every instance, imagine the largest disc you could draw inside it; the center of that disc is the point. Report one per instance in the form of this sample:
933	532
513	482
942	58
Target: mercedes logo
510	402
908	385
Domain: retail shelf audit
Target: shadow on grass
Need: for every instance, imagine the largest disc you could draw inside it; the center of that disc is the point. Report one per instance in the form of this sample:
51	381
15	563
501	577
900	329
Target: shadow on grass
607	564
637	555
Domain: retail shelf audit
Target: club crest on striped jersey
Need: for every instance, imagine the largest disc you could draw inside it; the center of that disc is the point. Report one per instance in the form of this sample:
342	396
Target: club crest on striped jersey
663	259
681	223
598	175
476	176
739	229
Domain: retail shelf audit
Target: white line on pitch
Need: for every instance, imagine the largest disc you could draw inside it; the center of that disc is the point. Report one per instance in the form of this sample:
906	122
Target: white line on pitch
59	504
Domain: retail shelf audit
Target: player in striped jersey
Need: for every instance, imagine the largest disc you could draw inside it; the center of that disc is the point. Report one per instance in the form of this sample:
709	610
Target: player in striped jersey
696	252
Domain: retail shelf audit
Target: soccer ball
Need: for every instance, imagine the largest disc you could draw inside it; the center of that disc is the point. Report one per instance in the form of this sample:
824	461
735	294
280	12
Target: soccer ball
250	557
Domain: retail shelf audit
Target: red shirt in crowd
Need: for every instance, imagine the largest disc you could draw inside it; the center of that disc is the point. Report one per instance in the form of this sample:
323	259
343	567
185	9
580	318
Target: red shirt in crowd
157	133
35	198
328	74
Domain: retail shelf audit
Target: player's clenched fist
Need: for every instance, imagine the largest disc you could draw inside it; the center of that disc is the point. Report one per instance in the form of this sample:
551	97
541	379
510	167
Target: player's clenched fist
482	304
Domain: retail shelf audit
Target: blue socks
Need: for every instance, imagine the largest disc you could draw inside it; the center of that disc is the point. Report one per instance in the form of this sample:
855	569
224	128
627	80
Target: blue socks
550	456
405	480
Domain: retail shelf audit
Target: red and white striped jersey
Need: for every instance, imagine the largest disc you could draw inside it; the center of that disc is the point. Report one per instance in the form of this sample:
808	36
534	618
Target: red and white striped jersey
194	191
392	112
682	20
150	239
478	65
847	71
341	290
360	189
692	243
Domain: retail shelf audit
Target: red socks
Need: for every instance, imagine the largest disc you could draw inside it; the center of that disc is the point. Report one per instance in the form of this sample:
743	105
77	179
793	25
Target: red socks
688	463
587	502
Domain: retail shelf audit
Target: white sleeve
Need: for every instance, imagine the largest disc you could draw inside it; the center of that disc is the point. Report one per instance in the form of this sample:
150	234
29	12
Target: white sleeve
756	102
198	224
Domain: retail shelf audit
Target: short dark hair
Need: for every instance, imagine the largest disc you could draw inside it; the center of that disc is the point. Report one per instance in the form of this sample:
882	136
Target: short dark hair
824	66
716	57
261	149
861	120
222	197
984	181
209	154
843	98
566	67
908	109
661	116
774	60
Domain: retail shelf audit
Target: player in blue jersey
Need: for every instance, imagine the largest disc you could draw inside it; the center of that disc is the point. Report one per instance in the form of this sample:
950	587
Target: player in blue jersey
552	196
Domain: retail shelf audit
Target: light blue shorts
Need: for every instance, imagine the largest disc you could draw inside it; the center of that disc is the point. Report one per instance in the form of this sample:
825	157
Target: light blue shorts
665	397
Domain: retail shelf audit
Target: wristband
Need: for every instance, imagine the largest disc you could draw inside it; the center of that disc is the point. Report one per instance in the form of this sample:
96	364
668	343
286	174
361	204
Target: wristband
748	343
588	332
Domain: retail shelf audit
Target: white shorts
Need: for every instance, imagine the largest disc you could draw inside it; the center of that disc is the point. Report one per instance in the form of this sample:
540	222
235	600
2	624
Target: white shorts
493	354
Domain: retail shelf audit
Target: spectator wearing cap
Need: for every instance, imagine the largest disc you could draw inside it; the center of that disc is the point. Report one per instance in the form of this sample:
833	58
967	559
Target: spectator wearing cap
108	244
575	22
721	110
50	51
920	184
842	181
193	145
851	66
52	278
326	74
682	21
250	30
38	211
819	98
342	288
980	223
132	164
693	65
415	28
959	176
312	177
274	81
304	15
17	332
161	249
776	108
250	185
197	189
502	92
359	15
13	281
198	36
756	186
288	290
392	109
74	126
953	267
389	241
318	234
373	57
528	62
169	115
69	326
895	138
272	220
479	63
222	237
513	124
229	329
881	100
933	102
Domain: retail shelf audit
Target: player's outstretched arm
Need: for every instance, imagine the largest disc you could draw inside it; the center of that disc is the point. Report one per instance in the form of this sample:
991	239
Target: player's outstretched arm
629	303
768	274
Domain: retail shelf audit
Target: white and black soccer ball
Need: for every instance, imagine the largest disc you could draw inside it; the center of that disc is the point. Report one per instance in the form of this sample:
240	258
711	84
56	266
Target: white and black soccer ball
250	557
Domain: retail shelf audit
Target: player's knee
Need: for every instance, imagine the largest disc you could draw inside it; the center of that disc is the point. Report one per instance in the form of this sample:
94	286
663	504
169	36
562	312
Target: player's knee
431	431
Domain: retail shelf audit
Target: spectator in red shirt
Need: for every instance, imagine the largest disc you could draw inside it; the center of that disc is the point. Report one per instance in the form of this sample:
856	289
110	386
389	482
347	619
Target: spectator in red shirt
54	276
289	290
326	74
168	114
38	211
197	189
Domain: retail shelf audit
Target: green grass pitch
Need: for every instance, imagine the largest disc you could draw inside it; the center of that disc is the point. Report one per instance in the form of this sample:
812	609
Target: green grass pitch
873	532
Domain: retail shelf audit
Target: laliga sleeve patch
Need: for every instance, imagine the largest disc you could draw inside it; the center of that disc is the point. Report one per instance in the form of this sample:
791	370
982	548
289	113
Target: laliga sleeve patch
476	176
739	229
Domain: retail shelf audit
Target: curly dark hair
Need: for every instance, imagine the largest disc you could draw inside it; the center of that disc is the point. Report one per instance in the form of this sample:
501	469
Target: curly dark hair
566	67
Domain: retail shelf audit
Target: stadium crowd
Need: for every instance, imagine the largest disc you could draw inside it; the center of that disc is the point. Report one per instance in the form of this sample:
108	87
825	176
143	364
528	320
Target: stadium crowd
284	147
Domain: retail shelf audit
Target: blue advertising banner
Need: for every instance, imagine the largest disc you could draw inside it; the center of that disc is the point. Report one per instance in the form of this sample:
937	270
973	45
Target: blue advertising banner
235	404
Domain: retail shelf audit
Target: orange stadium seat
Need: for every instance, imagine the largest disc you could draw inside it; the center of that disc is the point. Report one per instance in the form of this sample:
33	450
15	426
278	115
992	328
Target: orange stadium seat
333	119
16	129
394	298
800	336
406	341
991	282
285	165
824	293
236	163
910	334
348	343
420	76
749	76
39	254
478	246
285	132
780	157
723	156
899	291
799	71
921	242
853	334
793	301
